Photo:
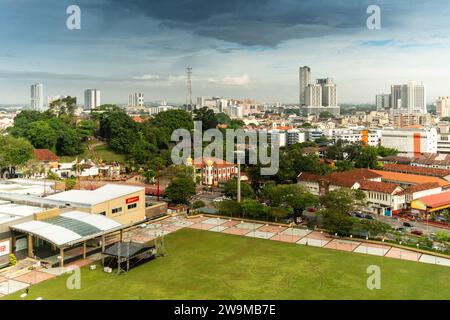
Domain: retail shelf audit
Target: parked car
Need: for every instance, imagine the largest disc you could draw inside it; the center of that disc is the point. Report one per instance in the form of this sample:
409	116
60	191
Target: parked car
417	232
400	229
358	214
407	224
368	216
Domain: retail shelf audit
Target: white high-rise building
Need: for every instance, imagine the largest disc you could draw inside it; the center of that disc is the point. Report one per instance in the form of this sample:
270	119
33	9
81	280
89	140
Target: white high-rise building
136	100
329	92
37	97
91	99
413	98
313	95
383	101
304	81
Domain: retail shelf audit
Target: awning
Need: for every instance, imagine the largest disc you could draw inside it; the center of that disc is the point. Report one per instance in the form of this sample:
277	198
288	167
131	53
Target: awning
69	228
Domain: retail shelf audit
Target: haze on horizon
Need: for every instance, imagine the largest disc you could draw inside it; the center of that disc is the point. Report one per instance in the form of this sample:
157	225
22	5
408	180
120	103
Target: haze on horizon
237	49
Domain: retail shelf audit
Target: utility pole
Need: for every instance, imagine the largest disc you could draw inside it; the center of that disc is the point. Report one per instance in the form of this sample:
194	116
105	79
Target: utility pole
157	175
238	158
189	88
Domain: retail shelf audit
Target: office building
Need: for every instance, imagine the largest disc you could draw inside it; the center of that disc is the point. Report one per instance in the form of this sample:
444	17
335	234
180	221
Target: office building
37	97
304	81
396	96
136	100
329	92
313	95
319	97
383	101
410	142
413	98
91	99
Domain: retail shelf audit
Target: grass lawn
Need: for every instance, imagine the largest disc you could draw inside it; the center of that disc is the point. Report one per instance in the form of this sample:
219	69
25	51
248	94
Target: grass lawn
102	152
107	155
208	265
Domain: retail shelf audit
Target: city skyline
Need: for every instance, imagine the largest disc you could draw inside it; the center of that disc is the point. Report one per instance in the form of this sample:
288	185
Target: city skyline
145	46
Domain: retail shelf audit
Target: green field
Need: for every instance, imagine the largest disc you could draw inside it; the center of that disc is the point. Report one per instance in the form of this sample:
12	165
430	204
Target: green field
208	265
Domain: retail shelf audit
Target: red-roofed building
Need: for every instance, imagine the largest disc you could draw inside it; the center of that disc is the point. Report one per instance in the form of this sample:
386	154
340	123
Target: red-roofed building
434	207
45	155
213	171
383	198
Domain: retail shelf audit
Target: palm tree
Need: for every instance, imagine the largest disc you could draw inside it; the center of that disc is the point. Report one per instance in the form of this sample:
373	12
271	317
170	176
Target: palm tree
77	168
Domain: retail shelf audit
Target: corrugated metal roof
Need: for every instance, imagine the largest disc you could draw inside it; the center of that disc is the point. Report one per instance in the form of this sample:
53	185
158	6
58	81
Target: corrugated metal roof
92	197
69	227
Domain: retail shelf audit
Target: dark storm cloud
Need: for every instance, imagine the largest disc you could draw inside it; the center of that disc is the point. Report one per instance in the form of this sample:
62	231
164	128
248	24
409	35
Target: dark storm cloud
253	22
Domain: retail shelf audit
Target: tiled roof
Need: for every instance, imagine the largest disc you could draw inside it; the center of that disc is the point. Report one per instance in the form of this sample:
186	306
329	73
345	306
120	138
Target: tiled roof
433	159
408	178
383	187
397	159
344	179
45	155
420	187
218	163
436	200
423	171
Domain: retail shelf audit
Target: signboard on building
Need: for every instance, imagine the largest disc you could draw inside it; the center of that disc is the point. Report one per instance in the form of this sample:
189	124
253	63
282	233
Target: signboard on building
132	200
4	248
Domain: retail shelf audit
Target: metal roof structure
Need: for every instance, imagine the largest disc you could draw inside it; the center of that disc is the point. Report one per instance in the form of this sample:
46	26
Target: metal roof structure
92	197
69	228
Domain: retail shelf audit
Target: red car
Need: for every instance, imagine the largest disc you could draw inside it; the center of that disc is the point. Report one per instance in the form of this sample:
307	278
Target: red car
417	232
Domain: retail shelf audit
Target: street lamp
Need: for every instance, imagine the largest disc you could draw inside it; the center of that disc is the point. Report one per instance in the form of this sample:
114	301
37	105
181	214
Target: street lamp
238	158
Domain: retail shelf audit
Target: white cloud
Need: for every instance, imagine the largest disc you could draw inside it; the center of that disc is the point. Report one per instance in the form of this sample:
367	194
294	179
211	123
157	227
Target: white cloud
241	80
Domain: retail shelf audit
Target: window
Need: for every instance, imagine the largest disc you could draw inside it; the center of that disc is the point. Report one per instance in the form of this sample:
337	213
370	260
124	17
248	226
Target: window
117	210
132	206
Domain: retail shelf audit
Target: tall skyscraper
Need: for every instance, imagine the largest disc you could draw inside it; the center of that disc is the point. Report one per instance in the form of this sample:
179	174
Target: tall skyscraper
91	99
329	92
313	95
396	96
413	98
136	100
383	101
37	97
304	81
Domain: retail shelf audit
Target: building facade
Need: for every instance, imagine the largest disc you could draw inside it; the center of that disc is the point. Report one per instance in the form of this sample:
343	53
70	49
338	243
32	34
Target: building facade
410	142
37	97
304	81
91	99
383	101
136	100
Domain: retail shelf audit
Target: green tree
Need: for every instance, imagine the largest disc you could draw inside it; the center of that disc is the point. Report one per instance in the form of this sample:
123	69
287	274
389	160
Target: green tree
14	152
207	117
181	188
278	213
198	204
173	119
367	158
230	208
253	209
230	189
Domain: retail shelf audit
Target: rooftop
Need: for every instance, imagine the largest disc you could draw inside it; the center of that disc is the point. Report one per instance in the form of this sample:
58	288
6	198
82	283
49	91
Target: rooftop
436	200
407	178
69	227
420	187
93	197
383	187
45	155
417	170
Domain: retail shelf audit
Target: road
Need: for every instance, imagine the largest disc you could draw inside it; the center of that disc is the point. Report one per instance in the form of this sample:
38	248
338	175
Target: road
398	222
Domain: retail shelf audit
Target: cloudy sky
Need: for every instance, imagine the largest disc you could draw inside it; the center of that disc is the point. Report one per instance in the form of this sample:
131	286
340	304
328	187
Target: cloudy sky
237	48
